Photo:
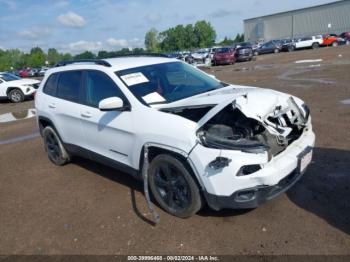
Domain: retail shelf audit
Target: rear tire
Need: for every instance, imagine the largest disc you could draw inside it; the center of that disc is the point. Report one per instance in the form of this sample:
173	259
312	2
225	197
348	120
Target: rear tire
173	186
54	147
315	45
335	43
276	51
16	95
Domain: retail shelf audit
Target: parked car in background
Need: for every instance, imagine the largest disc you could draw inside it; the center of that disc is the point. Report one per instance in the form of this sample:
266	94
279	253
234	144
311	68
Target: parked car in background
42	71
332	40
32	72
224	55
256	46
200	55
272	46
244	51
287	45
23	73
212	51
15	88
346	37
309	42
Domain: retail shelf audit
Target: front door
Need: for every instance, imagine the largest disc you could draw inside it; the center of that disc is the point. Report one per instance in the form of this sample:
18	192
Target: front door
110	134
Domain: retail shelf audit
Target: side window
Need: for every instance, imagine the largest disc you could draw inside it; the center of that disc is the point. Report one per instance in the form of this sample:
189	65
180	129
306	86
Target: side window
99	86
69	85
50	87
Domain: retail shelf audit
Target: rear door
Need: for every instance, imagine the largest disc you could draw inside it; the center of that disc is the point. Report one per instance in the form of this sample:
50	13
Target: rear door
110	134
63	105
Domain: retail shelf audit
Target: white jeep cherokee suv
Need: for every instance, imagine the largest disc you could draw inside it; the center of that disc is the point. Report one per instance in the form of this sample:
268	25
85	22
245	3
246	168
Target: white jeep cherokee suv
16	89
198	140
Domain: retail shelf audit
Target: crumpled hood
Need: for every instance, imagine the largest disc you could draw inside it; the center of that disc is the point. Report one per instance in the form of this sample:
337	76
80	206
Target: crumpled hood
256	103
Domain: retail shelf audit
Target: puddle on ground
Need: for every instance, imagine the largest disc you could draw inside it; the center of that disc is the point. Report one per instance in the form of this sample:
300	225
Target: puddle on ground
256	67
346	102
19	139
288	76
266	66
19	115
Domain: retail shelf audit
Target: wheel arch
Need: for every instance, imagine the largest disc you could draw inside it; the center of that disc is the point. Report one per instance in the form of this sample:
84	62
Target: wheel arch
44	122
156	149
10	88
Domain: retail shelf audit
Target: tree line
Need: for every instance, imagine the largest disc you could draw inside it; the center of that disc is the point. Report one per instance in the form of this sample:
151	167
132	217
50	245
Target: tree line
178	38
186	37
14	59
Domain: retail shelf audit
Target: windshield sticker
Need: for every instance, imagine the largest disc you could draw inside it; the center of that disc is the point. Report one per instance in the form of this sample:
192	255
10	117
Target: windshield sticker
153	98
134	79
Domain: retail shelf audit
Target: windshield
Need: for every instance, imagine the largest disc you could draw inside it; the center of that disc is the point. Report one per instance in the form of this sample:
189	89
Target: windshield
9	77
167	82
223	50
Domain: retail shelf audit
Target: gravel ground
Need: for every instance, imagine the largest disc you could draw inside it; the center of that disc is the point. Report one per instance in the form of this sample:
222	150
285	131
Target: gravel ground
86	208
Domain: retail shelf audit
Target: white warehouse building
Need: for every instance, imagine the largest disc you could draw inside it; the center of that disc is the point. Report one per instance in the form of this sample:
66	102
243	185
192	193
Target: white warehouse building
327	18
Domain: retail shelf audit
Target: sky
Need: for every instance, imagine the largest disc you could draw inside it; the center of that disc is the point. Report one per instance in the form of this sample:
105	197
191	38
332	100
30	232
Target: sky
78	25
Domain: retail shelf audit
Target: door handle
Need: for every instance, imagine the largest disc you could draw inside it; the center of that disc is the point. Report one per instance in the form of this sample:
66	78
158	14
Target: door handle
86	114
52	105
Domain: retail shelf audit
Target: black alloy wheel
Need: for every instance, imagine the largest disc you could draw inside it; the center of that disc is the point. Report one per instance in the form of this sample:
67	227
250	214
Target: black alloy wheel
173	186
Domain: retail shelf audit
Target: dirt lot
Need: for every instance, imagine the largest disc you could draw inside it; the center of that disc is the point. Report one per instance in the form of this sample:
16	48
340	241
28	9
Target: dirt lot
86	208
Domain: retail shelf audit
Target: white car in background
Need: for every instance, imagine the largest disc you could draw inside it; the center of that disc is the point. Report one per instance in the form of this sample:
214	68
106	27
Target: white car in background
309	42
16	89
200	55
192	138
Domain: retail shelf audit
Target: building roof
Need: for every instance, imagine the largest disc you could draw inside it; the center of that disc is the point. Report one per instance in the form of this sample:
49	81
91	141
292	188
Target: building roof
296	10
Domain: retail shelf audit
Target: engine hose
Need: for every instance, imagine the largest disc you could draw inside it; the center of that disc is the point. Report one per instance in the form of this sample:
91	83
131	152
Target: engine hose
145	185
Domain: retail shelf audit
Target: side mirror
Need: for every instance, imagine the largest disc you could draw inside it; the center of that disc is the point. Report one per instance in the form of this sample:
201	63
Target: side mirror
111	103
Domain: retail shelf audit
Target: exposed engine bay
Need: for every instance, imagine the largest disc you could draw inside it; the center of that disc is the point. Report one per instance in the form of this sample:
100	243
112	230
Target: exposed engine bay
231	129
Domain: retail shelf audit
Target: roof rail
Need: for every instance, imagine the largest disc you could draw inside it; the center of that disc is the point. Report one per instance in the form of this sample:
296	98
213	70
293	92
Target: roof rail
94	61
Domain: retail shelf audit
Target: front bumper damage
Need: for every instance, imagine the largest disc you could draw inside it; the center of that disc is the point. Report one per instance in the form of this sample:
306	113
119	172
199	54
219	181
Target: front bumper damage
224	189
278	140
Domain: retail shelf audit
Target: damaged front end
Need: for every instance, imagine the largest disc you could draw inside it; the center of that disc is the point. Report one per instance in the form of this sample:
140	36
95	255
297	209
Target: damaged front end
237	127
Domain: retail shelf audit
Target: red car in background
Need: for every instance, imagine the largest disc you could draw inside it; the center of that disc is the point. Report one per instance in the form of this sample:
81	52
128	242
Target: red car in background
23	73
331	40
224	55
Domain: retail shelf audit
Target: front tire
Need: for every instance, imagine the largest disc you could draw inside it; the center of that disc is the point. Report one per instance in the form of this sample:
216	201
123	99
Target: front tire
315	45
276	51
16	95
54	147
173	186
335	43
